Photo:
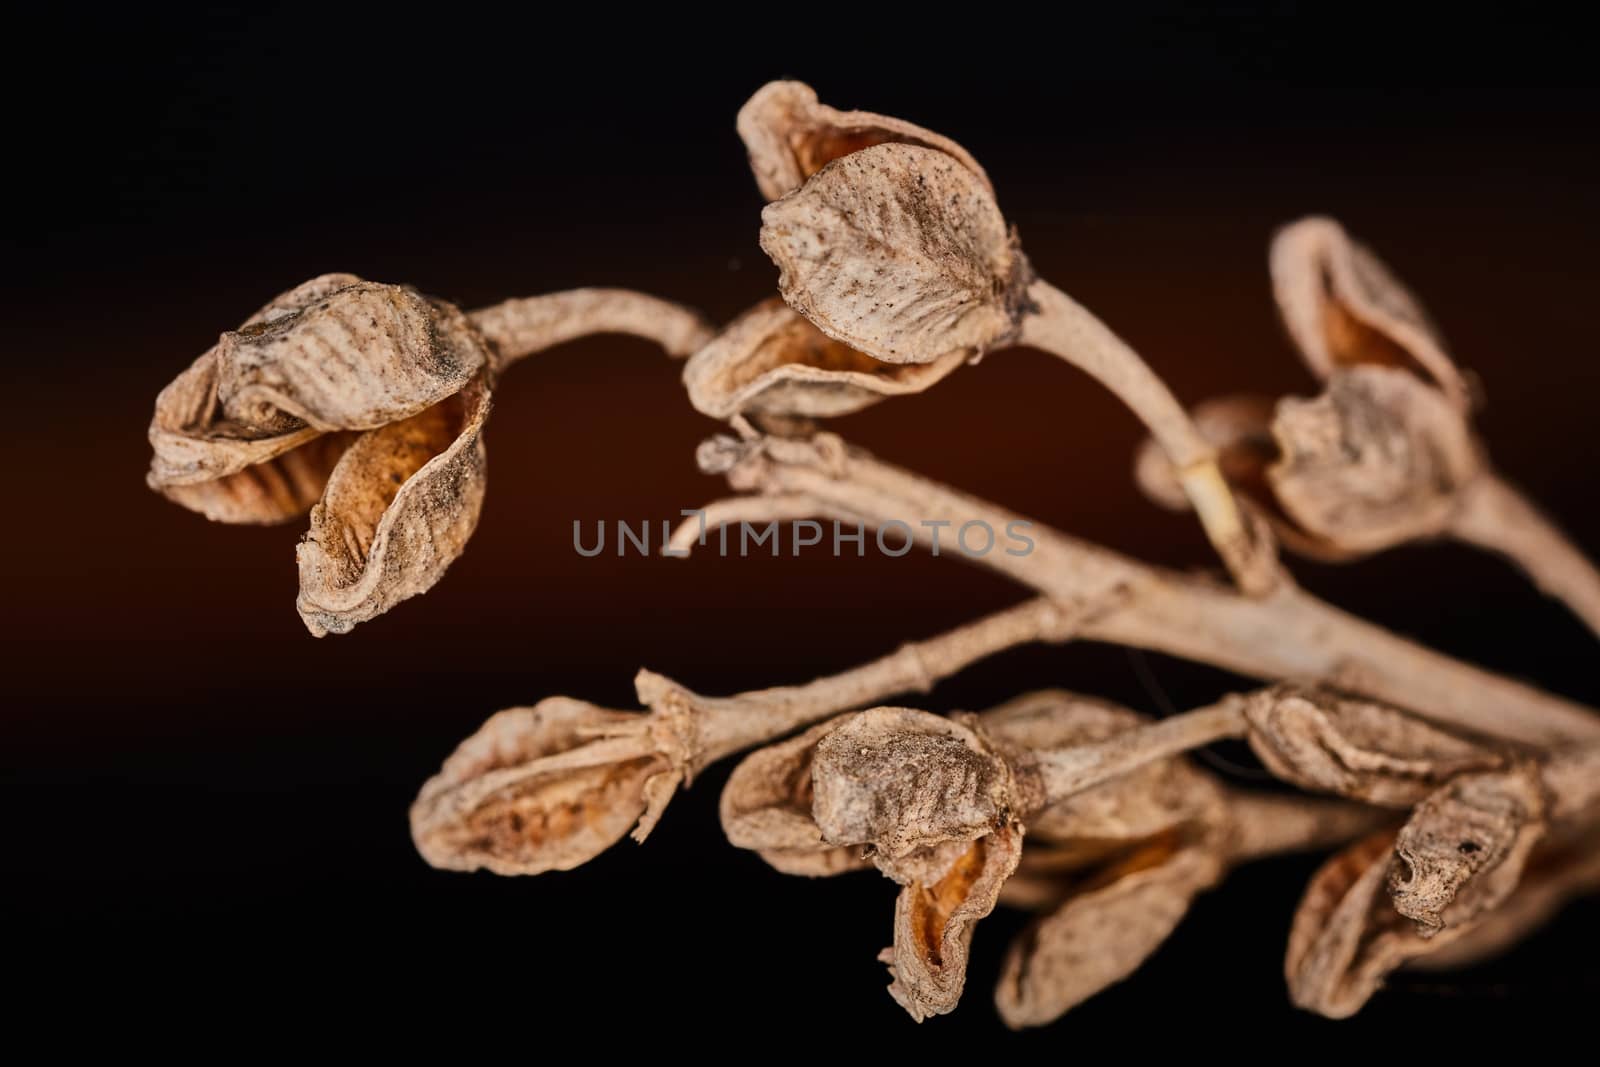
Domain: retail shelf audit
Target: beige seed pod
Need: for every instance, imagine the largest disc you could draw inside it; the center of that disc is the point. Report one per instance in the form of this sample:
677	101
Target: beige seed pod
534	791
901	780
1377	460
1358	749
766	807
1102	932
772	361
790	136
900	252
1343	308
1464	848
250	432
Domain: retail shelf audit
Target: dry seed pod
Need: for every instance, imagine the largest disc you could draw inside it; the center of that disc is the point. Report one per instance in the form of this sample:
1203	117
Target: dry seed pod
901	780
1104	931
1464	847
771	361
1356	748
398	510
899	252
766	806
249	433
533	791
790	136
902	253
1344	308
1380	458
934	920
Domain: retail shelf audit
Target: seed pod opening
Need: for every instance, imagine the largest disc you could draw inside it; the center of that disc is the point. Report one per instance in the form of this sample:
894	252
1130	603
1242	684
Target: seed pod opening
398	510
790	135
771	361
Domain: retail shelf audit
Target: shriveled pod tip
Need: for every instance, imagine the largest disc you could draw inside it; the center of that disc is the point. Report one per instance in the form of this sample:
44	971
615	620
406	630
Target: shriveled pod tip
1379	458
534	790
901	780
766	807
772	361
250	432
790	135
899	252
1343	308
1356	748
934	922
1463	850
399	508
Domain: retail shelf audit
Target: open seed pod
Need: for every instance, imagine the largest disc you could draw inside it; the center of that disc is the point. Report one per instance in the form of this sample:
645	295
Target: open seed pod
1378	459
771	361
250	432
1358	749
766	807
1102	924
1464	847
899	252
537	789
1344	308
1347	936
399	508
790	136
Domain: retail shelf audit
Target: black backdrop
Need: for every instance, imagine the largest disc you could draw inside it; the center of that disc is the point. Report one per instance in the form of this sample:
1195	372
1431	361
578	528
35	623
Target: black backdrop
205	808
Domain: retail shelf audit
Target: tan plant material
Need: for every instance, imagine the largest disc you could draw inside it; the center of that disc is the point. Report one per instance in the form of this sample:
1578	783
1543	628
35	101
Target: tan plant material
641	759
790	136
1386	454
1288	635
900	251
366	404
772	361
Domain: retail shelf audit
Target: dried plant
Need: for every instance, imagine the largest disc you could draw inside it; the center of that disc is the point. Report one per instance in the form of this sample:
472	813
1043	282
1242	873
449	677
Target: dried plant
1473	800
1386	454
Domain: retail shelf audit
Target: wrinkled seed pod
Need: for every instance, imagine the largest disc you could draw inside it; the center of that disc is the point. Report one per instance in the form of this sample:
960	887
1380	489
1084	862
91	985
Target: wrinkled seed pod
1378	459
498	804
899	252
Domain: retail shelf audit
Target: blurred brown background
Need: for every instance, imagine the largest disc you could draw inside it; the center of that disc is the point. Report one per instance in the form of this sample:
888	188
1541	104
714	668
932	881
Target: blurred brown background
190	777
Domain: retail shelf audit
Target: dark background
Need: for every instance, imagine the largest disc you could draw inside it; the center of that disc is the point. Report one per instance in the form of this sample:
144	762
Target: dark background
206	808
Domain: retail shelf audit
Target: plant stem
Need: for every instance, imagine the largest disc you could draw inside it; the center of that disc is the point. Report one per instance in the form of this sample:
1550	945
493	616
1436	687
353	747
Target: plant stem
1497	517
1287	636
1078	767
519	328
1064	328
728	724
1268	824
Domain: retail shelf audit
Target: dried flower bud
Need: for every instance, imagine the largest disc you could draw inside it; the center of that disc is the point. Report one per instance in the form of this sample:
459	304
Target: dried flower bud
1343	308
766	807
934	921
901	780
899	252
1378	459
791	135
1239	427
1356	748
239	435
1104	930
534	790
1464	847
771	361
